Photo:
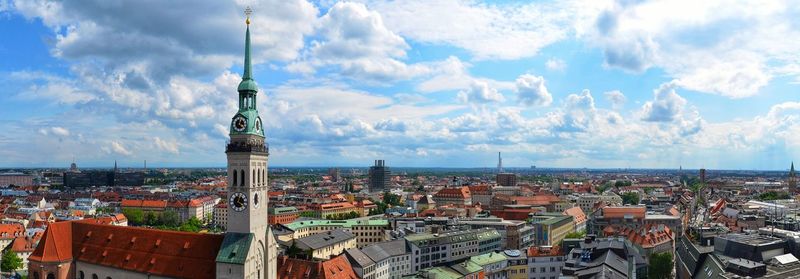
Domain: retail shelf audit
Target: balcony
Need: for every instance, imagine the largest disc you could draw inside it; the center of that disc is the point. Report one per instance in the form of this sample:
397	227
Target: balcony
247	147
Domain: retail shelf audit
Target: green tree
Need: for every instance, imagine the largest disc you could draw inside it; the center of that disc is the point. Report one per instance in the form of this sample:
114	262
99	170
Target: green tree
660	266
134	215
630	198
293	250
169	219
10	261
308	214
151	219
580	234
773	195
391	199
604	187
192	225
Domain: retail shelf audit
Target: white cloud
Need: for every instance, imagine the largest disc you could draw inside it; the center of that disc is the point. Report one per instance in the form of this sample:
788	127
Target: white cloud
480	92
60	131
719	47
555	64
117	148
531	91
487	31
355	39
616	98
666	106
164	145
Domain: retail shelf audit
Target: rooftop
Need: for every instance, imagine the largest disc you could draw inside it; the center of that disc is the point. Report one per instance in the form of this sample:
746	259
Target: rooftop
336	223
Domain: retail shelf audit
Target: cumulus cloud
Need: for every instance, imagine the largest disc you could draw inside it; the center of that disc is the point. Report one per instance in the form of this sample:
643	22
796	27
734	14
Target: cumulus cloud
616	98
164	145
487	31
480	92
666	106
355	39
117	148
531	91
718	47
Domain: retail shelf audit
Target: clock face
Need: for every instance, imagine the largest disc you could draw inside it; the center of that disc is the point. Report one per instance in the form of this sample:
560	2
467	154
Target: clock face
258	124
238	201
255	200
239	123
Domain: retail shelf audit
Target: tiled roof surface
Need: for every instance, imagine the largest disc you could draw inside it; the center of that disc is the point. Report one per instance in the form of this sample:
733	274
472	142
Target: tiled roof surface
149	251
336	268
577	213
623	211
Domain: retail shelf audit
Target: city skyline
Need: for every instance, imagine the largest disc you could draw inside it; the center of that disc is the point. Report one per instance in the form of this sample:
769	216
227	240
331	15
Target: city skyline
570	84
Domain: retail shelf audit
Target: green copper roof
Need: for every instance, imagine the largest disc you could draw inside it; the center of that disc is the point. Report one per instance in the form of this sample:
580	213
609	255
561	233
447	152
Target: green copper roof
453	236
336	223
247	84
234	248
488	258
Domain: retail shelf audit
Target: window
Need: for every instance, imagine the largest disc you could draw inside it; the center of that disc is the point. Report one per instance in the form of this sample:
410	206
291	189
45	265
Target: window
94	276
234	177
35	275
51	276
80	275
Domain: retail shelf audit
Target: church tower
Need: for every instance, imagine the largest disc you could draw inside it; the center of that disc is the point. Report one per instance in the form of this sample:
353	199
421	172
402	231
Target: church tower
249	249
792	180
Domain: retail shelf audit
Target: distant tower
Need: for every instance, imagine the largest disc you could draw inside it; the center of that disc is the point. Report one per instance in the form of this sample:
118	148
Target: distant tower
115	166
792	179
379	176
499	163
703	176
73	167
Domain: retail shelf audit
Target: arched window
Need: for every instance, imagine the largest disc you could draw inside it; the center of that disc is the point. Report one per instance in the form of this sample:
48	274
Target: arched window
253	179
259	178
94	276
51	276
234	178
81	275
241	179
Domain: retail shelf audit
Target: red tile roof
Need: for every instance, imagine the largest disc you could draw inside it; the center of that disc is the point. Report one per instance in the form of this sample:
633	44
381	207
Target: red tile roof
336	268
144	203
155	252
622	211
576	213
11	230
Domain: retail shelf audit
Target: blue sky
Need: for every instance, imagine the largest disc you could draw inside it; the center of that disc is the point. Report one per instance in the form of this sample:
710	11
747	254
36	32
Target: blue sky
599	84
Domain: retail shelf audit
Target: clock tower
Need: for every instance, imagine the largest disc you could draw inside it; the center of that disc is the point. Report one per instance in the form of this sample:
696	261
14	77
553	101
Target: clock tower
249	249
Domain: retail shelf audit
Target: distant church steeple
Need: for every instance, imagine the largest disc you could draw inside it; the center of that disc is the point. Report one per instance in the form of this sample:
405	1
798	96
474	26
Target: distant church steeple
792	179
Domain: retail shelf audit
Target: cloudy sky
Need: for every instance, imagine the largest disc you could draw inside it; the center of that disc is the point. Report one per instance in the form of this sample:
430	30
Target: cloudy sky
651	84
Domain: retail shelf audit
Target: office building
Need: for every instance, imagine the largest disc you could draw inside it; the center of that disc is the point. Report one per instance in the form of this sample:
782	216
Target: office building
506	179
379	177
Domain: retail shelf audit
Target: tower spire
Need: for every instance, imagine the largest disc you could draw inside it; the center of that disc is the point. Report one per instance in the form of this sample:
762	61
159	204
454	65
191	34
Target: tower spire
247	84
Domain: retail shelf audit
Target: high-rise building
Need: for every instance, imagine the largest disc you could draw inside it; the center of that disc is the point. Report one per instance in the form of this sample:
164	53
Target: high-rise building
379	176
335	174
792	179
506	179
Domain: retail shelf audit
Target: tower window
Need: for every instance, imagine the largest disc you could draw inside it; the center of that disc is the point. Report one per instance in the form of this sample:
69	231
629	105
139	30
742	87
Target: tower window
241	179
234	177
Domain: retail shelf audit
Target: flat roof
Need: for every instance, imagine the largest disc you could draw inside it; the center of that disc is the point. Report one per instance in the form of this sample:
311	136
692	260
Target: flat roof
336	223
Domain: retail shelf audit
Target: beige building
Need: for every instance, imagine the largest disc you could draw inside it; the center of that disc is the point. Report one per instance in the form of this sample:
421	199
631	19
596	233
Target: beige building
327	245
365	231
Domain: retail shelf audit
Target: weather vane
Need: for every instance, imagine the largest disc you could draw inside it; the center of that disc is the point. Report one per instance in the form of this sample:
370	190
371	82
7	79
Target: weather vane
247	13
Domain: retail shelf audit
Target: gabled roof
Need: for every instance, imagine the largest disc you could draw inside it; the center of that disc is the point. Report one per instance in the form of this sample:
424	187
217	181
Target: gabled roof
155	252
336	268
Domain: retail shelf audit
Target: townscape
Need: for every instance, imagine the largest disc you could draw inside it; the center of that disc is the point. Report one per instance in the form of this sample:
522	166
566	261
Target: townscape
377	220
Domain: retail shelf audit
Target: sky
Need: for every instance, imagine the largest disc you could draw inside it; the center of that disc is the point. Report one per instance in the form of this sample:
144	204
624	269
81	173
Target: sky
418	83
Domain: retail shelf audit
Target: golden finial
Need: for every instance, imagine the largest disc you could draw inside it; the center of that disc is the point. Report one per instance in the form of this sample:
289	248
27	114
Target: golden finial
247	13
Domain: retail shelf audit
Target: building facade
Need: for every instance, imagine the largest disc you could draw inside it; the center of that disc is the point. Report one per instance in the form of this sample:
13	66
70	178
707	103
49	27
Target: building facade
379	177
